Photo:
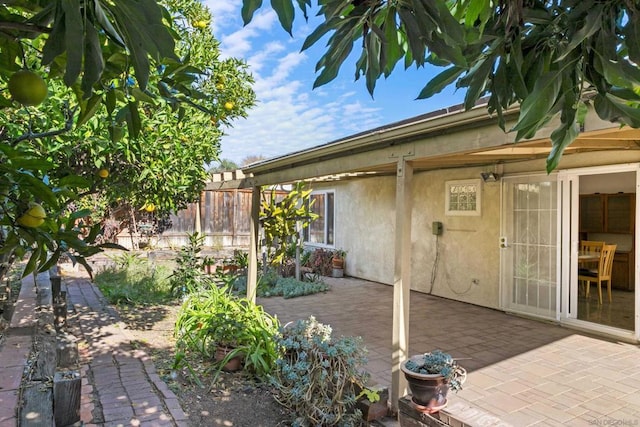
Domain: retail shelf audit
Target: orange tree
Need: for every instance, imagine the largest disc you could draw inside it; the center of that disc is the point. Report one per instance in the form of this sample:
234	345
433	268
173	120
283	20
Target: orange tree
135	107
550	56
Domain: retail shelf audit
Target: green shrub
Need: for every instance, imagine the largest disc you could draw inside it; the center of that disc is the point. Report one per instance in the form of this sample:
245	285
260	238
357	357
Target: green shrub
132	280
320	261
215	317
189	275
287	287
318	378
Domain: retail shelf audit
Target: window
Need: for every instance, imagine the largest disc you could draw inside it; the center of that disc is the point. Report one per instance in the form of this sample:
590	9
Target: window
321	231
463	198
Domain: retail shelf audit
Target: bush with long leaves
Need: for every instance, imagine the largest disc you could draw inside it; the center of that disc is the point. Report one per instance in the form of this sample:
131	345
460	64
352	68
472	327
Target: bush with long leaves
215	317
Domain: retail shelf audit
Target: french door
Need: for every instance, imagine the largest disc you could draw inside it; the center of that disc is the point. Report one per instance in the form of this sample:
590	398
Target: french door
530	246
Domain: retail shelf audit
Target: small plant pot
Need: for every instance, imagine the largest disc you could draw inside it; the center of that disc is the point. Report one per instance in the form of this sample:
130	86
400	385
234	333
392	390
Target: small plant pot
337	272
428	395
337	263
232	362
428	391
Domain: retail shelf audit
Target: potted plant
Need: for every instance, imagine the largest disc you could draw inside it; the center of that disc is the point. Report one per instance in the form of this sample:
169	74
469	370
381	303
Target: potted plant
431	376
338	258
224	328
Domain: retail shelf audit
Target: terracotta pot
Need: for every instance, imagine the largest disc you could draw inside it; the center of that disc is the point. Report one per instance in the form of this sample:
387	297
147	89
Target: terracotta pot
337	262
234	363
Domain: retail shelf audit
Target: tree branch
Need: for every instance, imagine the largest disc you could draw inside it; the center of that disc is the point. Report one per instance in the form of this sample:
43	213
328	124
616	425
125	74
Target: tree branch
69	114
24	26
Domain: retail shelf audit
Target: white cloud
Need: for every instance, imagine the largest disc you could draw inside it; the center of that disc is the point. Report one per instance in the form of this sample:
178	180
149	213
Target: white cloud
289	116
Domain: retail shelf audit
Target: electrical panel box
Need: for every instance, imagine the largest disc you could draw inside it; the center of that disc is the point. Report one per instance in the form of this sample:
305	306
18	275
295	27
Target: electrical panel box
436	228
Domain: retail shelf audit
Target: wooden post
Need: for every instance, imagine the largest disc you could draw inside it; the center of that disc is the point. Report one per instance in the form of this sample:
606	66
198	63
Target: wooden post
66	397
60	311
252	273
401	279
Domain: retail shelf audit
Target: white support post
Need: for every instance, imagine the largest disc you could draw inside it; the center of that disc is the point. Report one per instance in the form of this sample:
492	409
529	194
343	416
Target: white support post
401	279
252	273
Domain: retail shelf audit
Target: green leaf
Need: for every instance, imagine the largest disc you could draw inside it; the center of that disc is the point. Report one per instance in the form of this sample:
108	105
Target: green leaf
248	9
284	10
475	8
561	138
610	108
74	35
591	25
317	34
31	164
74	181
536	107
53	260
88	109
93	61
55	44
142	96
133	120
33	261
110	101
105	23
441	81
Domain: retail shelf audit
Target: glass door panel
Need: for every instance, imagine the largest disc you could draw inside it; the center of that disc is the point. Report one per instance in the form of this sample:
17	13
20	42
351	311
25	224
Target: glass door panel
530	246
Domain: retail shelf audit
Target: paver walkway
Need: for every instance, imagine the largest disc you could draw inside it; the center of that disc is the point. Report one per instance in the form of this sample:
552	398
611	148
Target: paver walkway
120	386
521	372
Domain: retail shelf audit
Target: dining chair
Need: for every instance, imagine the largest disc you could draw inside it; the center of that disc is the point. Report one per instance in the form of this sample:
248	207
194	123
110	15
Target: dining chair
585	266
591	246
601	274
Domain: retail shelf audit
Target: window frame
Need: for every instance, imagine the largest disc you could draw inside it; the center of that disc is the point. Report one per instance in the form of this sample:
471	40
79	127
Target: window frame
452	212
307	233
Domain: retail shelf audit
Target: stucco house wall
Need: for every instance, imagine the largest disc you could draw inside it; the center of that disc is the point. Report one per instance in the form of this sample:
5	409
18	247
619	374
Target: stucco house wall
464	261
365	228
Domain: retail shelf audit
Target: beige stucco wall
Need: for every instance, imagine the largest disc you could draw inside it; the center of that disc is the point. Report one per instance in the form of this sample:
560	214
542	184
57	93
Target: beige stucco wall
468	248
467	251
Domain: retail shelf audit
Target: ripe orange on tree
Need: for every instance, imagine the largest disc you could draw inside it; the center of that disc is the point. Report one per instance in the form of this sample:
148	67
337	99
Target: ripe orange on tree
33	217
28	88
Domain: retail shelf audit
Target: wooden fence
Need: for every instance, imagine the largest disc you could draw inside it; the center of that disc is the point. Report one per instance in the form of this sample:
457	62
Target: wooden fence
224	217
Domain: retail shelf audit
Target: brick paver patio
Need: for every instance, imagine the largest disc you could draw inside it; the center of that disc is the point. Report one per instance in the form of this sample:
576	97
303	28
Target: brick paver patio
521	372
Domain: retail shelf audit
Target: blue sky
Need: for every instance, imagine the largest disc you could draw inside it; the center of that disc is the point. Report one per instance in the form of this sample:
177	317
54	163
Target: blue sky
290	115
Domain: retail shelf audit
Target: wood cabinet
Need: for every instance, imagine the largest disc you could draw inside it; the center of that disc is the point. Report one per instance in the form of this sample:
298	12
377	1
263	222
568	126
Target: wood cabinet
607	213
622	274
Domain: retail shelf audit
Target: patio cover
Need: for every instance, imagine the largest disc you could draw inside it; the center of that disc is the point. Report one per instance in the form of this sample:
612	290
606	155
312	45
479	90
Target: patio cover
447	138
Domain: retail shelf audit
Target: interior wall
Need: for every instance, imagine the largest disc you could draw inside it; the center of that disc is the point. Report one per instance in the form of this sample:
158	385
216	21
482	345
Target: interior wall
608	183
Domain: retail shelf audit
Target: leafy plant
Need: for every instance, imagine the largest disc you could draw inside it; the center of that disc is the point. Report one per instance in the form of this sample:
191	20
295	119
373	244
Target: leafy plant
282	219
134	112
215	317
551	58
189	275
132	280
320	261
319	378
439	363
287	287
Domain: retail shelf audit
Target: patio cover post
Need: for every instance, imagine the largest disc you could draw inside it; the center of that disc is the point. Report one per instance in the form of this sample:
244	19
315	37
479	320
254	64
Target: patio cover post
252	273
198	220
401	279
